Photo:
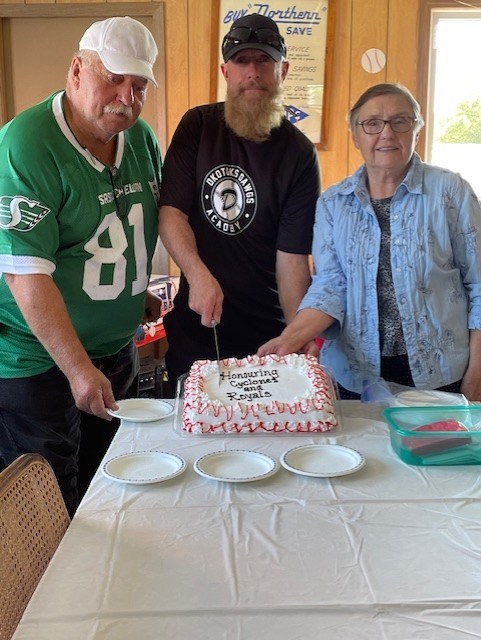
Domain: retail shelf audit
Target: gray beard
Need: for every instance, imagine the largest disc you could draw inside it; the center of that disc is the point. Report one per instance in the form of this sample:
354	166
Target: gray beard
254	120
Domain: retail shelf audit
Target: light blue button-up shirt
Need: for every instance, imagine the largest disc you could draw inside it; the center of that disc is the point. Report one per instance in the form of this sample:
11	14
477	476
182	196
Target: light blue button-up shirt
436	270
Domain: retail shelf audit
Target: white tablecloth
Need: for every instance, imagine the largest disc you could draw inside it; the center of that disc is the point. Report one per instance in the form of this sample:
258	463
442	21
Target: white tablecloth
389	552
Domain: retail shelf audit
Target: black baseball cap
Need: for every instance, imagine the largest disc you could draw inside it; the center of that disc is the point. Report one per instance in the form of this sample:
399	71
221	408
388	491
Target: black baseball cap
254	31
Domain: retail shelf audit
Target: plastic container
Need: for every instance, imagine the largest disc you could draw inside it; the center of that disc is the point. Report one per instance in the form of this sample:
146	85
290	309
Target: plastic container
438	435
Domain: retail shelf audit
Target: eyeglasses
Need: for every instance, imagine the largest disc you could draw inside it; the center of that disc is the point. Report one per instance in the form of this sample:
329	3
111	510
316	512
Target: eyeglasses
401	124
118	191
262	35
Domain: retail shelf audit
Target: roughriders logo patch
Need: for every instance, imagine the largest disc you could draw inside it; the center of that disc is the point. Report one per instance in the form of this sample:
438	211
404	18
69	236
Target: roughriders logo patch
229	199
20	213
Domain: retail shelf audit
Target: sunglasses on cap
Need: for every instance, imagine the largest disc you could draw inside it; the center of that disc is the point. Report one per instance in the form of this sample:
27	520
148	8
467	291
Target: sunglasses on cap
261	35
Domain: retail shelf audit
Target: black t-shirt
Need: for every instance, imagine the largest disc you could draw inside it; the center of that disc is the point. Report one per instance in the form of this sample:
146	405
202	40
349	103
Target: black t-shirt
244	200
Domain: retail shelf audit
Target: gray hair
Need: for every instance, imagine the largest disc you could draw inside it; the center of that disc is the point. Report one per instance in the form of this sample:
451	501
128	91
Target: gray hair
88	56
384	89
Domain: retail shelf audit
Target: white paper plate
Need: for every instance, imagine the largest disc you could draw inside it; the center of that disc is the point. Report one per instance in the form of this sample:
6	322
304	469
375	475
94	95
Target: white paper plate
236	465
428	398
142	409
322	460
144	467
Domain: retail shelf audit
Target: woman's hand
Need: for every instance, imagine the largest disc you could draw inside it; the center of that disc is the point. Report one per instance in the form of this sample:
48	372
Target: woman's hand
280	346
471	385
299	335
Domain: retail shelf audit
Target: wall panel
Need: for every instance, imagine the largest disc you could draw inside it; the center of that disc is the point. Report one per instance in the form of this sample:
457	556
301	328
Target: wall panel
200	27
402	53
333	159
176	62
369	31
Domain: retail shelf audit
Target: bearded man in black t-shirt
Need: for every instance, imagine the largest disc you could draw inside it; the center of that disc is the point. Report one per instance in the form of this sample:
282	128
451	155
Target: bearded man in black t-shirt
238	197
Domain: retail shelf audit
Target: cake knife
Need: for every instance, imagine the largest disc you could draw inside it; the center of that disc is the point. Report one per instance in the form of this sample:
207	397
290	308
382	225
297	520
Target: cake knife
217	352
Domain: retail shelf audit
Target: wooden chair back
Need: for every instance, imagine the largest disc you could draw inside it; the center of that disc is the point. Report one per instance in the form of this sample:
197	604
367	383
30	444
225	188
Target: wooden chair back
33	520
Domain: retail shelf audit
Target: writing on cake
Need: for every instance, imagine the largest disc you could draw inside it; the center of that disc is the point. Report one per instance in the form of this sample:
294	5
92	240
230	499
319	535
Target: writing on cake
249	385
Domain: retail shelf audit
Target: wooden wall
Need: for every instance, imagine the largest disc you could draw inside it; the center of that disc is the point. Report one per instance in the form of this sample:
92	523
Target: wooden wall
390	25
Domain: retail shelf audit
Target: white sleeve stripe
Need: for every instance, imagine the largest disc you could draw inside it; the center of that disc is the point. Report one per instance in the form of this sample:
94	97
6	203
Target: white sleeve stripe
24	265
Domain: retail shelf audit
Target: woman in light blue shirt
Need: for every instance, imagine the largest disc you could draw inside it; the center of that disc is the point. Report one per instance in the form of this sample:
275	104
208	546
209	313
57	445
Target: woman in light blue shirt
397	254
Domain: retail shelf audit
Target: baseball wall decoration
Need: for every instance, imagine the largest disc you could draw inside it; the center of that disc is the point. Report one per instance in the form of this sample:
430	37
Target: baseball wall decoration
373	60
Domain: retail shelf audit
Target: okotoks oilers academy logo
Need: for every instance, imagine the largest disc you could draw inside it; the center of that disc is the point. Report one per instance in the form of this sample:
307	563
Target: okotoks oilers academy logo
229	199
20	213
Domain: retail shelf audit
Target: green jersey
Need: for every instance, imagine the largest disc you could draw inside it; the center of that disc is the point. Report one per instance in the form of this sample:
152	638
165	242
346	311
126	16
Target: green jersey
92	228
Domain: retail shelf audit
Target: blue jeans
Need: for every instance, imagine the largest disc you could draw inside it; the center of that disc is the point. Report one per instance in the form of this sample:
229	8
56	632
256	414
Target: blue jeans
38	414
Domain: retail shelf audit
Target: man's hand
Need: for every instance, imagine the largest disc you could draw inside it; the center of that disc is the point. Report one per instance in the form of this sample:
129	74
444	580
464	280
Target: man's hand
44	310
92	391
206	297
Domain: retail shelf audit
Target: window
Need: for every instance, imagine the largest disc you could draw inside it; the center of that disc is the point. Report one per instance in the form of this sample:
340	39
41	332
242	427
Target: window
453	100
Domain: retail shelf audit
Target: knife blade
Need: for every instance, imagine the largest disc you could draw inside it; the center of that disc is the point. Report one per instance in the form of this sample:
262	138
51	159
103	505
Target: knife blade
217	352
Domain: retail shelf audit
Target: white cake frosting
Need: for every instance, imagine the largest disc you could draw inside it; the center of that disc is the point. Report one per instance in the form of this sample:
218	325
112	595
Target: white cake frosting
269	393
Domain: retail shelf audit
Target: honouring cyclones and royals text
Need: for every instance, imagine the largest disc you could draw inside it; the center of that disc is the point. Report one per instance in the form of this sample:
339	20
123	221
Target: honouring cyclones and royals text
249	385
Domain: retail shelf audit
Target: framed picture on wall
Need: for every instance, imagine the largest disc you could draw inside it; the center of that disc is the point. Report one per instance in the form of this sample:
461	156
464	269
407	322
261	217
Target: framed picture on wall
308	29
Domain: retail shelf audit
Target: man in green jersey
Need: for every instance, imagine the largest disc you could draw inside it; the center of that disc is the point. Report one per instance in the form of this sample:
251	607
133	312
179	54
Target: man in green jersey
79	185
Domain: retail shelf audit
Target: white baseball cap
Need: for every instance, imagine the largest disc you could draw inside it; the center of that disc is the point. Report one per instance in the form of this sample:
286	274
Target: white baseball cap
124	45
